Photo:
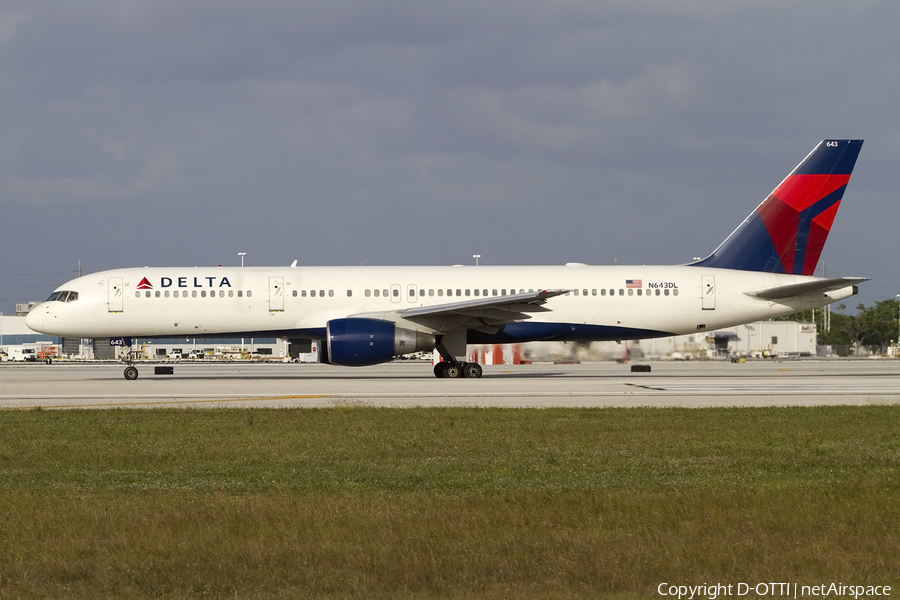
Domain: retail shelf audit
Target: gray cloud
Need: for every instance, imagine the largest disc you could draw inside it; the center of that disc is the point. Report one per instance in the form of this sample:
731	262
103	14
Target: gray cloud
415	132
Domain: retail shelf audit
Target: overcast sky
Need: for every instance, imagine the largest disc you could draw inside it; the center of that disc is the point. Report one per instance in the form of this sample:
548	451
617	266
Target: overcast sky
179	133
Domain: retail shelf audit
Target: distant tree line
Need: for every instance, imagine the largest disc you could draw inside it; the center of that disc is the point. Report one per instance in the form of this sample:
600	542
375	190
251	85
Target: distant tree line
873	328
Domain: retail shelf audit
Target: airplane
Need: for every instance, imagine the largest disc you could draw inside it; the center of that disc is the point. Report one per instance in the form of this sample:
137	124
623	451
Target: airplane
369	314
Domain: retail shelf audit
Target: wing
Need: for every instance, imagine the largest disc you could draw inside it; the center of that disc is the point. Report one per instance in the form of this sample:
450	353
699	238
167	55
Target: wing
487	315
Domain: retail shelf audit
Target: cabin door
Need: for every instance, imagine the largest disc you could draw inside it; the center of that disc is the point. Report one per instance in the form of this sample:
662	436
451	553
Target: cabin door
708	289
276	294
115	294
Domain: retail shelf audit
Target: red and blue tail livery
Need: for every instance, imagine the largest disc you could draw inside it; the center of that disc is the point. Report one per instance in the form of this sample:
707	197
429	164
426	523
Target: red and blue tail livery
786	233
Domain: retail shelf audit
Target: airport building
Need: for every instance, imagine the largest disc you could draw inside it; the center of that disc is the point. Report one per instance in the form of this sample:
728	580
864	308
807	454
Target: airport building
754	340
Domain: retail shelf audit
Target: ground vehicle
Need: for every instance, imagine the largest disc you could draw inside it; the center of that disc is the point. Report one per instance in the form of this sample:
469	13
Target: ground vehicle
21	354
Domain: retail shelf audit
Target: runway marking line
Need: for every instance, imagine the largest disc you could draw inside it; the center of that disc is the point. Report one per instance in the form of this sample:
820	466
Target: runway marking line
154	403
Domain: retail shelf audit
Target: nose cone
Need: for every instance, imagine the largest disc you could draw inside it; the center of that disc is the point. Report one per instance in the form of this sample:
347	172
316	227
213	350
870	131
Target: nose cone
34	320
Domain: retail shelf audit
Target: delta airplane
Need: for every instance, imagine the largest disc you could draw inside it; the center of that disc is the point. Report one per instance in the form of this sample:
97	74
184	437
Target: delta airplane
368	315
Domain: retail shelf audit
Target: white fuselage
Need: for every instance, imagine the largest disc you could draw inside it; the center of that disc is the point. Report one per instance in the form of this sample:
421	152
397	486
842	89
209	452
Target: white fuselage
300	301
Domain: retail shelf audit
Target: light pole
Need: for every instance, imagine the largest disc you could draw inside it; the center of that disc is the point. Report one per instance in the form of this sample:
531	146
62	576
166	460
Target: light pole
242	255
476	257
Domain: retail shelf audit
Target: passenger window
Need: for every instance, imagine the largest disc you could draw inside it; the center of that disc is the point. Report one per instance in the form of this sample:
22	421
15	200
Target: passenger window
331	293
484	292
293	293
476	292
459	292
594	292
312	293
231	293
657	292
621	292
158	294
249	293
675	292
241	293
502	292
377	293
493	292
369	293
603	292
631	291
467	292
396	293
221	293
440	292
640	292
576	293
666	291
349	293
584	292
166	293
193	293
431	292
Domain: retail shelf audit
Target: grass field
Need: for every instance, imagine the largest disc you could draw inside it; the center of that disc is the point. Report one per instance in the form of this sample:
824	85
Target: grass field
444	503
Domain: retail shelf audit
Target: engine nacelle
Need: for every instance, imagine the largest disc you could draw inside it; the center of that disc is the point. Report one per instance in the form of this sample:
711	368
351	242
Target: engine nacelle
360	342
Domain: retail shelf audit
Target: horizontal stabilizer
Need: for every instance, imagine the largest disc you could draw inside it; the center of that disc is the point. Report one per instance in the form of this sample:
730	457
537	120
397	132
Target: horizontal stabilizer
806	287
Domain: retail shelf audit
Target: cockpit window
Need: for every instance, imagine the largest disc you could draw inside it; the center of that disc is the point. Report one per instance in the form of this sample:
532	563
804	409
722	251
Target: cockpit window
63	296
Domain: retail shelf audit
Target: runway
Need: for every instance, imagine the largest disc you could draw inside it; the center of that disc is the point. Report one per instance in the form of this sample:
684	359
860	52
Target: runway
800	382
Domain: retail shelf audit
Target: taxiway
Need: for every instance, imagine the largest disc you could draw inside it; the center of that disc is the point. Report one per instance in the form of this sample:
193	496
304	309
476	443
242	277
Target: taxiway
409	383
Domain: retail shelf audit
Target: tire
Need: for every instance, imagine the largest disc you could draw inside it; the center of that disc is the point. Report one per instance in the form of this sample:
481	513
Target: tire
452	371
131	373
472	371
439	369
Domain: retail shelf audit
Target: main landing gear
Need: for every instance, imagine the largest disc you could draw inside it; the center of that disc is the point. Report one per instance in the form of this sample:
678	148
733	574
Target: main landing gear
450	367
453	370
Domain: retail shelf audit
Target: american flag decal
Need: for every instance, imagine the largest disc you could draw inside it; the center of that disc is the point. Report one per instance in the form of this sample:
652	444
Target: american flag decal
634	283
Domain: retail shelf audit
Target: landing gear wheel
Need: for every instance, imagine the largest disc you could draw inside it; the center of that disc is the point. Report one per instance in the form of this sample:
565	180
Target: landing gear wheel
439	369
452	371
131	373
471	370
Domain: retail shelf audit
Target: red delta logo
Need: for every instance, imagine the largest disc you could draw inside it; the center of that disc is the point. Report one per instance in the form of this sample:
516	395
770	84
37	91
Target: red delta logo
145	285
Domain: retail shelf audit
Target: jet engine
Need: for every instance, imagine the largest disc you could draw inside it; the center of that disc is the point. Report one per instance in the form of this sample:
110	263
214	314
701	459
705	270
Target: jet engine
355	342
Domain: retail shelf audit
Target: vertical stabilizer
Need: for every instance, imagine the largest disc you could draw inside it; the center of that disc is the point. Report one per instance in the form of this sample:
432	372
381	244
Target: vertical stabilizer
786	233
